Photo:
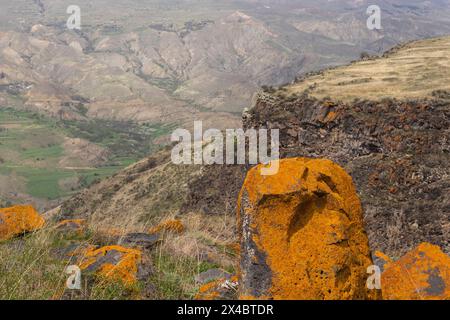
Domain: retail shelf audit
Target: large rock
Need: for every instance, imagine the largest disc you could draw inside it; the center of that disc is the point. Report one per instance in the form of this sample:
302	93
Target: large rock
302	234
18	220
422	274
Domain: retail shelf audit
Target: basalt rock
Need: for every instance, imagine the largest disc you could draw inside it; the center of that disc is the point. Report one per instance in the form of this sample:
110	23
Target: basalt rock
301	234
422	274
18	220
397	152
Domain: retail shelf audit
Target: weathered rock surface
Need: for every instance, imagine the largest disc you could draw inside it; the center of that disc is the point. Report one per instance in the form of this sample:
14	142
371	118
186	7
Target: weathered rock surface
18	220
115	263
302	234
221	289
422	274
397	152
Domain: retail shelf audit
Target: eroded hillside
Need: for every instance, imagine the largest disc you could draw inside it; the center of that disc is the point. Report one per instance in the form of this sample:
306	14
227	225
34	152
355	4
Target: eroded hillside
178	61
395	149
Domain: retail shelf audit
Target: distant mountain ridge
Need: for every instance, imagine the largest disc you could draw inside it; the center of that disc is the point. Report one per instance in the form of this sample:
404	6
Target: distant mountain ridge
176	61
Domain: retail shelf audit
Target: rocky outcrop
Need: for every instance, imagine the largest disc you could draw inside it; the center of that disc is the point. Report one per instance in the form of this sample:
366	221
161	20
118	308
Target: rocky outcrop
18	220
397	153
302	234
421	274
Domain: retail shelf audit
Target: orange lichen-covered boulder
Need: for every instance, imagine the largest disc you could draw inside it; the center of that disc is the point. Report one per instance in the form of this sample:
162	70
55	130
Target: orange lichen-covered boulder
175	226
301	234
421	274
18	220
114	263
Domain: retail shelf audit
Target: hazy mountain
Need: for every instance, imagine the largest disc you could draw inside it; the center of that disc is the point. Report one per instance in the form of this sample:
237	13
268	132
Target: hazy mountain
149	60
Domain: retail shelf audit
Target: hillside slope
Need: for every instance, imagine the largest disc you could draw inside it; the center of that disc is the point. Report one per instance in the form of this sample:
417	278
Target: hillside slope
396	149
415	70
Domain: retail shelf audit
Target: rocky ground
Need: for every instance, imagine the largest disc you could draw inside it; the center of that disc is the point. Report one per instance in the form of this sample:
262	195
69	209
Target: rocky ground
397	153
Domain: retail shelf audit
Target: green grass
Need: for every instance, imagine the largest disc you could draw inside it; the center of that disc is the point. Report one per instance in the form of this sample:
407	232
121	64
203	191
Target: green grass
28	270
175	276
43	183
31	148
31	269
54	151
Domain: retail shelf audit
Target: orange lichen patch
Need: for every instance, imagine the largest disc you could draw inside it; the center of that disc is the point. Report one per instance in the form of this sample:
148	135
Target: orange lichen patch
81	250
421	274
221	289
301	234
382	256
209	291
18	220
113	263
174	225
330	116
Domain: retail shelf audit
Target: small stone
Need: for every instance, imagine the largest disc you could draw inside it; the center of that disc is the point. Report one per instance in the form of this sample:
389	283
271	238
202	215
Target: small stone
140	240
75	226
221	289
